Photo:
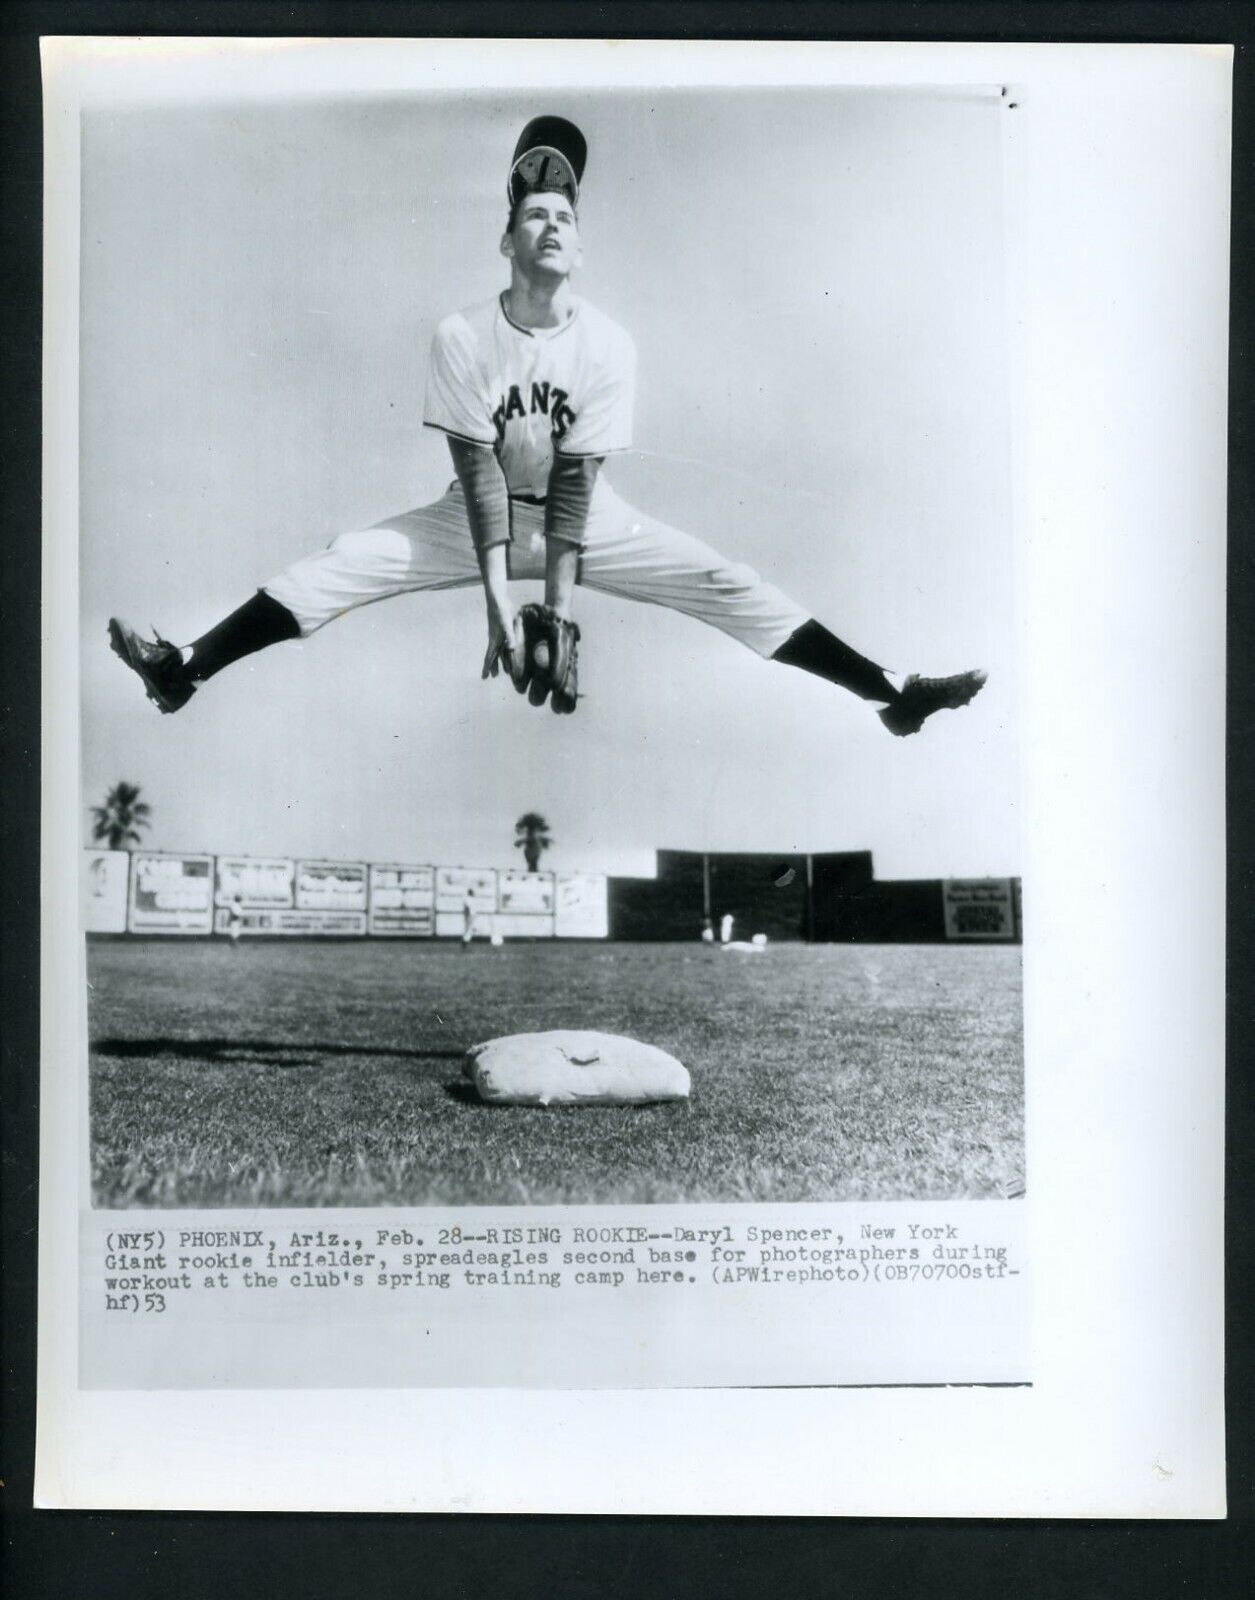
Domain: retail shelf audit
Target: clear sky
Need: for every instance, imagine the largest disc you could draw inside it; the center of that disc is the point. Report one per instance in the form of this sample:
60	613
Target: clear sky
814	280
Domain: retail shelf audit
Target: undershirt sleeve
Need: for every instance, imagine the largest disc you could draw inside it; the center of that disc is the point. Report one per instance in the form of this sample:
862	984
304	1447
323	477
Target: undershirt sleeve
484	489
570	493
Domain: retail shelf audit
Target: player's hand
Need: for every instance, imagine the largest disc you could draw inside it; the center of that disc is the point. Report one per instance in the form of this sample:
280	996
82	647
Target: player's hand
505	643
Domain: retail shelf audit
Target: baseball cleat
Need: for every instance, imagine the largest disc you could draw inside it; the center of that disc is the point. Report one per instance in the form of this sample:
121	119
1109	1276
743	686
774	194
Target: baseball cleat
158	665
920	697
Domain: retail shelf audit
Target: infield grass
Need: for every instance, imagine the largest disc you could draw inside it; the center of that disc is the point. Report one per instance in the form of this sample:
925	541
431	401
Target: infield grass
311	1074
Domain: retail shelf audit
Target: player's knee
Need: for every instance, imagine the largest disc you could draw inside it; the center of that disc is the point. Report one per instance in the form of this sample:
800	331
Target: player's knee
734	578
369	547
352	546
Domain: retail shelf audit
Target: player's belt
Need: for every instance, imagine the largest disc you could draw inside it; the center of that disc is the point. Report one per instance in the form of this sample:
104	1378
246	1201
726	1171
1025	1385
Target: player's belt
527	499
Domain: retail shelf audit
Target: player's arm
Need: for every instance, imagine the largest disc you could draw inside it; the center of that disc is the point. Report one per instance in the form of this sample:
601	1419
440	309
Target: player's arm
604	425
488	513
458	405
568	495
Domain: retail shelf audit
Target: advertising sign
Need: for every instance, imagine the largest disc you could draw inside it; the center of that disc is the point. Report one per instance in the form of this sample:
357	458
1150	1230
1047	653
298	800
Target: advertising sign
170	894
104	890
530	893
273	924
979	908
331	886
522	925
453	884
581	908
258	883
402	901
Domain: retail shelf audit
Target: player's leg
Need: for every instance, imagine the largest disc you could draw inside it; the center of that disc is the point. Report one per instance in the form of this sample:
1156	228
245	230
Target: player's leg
907	703
166	670
428	548
641	558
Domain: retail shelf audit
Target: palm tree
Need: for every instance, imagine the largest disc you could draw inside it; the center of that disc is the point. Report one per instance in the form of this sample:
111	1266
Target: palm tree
118	822
533	838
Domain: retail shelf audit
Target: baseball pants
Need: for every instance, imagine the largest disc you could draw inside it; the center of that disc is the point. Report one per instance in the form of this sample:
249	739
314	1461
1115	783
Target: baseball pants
625	554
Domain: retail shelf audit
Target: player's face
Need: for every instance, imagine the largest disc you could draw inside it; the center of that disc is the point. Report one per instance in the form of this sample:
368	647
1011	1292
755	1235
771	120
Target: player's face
545	240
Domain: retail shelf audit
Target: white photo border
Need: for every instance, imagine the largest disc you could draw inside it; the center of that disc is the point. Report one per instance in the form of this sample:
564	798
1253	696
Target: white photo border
1119	195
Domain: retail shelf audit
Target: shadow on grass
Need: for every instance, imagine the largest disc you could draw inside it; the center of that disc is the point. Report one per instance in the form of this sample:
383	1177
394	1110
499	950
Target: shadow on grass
466	1094
256	1052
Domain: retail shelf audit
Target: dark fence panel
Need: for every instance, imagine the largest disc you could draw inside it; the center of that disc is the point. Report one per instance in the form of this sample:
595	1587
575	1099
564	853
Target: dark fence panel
768	894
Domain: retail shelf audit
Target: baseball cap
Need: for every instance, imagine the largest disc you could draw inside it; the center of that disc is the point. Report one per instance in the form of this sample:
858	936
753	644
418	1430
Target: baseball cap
550	154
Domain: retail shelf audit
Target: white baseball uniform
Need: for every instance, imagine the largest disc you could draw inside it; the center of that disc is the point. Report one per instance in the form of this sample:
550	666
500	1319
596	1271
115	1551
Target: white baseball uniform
528	392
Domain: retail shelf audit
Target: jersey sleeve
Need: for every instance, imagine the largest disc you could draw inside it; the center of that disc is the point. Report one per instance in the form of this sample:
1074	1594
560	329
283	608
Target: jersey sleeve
457	398
604	422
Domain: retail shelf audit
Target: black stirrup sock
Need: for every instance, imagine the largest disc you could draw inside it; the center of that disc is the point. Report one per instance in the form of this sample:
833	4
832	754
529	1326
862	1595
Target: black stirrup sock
816	650
257	623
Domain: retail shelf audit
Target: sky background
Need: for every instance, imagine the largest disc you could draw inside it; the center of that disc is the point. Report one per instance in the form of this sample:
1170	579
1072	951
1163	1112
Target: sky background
814	280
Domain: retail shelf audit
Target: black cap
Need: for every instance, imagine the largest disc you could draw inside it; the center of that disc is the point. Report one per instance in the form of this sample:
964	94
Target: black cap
550	154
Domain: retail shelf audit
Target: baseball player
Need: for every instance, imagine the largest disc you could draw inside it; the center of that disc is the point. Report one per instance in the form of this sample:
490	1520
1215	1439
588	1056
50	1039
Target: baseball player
533	390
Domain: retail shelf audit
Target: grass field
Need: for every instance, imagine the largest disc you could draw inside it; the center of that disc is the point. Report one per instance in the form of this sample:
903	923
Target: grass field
306	1075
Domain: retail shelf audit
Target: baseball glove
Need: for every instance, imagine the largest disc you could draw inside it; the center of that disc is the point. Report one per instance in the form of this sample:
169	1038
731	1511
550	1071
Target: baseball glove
550	658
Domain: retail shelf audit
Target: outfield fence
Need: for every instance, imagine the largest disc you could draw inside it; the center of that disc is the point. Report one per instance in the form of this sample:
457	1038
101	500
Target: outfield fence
168	893
828	898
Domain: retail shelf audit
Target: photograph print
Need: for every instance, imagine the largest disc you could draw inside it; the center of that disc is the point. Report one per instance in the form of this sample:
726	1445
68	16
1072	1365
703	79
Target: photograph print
549	648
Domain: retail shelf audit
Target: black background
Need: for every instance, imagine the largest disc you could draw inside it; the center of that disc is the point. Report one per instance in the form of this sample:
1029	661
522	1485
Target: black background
70	1554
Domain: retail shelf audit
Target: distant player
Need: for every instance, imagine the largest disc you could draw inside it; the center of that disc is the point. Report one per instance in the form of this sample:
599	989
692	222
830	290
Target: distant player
533	389
235	920
468	920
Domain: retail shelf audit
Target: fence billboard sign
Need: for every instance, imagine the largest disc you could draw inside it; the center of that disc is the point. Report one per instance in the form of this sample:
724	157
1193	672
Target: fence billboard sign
525	893
581	906
331	886
105	874
402	901
170	893
256	883
455	884
979	908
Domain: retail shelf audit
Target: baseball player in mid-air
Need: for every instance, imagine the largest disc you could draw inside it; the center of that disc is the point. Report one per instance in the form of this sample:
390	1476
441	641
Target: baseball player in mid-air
533	390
